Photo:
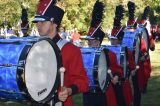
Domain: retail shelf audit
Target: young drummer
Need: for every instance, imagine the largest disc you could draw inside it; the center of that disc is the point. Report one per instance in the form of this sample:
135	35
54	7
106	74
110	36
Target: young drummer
115	39
146	62
48	18
95	37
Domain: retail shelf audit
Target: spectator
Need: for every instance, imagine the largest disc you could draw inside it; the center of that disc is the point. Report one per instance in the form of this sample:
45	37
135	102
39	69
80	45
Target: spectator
75	37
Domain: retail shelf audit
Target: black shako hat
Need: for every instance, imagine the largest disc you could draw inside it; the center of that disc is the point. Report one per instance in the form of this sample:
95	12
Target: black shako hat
48	11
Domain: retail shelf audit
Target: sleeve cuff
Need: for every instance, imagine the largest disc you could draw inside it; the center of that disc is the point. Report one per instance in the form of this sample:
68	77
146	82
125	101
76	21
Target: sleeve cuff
74	89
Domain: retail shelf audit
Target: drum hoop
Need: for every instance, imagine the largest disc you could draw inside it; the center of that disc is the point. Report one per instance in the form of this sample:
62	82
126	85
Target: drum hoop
138	38
59	64
106	51
147	39
23	57
125	67
97	53
96	64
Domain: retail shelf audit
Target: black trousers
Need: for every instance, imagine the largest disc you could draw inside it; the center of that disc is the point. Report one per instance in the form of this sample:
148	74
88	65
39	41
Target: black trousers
94	99
137	93
119	94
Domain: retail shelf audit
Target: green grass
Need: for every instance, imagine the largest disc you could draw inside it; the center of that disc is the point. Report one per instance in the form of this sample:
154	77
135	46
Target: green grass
152	98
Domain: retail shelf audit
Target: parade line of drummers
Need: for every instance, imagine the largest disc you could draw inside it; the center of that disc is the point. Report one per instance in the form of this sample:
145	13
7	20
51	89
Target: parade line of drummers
107	75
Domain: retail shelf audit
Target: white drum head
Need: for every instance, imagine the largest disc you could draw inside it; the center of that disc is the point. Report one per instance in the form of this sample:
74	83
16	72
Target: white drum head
102	70
40	70
146	38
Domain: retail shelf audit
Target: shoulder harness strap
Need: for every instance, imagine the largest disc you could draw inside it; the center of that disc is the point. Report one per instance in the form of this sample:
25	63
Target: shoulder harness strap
61	43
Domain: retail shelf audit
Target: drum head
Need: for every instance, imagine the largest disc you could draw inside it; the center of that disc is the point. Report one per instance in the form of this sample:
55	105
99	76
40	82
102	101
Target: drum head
137	49
41	70
145	36
102	70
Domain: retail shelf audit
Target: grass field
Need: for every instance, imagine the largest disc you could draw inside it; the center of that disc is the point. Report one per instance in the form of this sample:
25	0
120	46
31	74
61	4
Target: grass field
151	98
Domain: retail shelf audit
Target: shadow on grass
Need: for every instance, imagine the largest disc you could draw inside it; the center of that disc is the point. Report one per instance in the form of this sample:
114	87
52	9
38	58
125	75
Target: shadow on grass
156	67
151	98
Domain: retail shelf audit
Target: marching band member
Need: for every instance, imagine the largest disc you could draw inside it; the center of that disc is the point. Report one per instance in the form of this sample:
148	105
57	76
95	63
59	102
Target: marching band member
137	76
146	62
95	37
116	74
115	38
25	22
118	32
95	98
48	18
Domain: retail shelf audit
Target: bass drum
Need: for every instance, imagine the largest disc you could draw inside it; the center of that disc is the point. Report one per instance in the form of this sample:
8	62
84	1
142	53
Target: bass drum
133	42
143	33
26	73
122	54
95	63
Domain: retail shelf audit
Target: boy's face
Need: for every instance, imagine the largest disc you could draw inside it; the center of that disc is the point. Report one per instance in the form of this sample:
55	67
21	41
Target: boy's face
131	29
115	41
44	27
93	43
24	31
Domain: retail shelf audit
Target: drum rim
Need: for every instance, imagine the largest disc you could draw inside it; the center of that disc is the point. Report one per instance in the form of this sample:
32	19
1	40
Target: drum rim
57	79
96	63
96	51
147	38
139	39
106	51
126	70
22	89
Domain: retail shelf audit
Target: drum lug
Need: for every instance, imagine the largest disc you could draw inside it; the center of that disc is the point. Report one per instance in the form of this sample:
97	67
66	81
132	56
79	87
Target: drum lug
21	63
21	68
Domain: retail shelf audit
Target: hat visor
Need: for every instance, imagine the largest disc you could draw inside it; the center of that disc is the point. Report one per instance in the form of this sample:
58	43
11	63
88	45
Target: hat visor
39	19
89	38
130	27
24	28
112	37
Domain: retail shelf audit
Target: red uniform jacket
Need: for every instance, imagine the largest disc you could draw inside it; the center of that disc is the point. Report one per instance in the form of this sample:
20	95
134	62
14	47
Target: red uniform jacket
141	75
127	90
147	64
75	72
116	69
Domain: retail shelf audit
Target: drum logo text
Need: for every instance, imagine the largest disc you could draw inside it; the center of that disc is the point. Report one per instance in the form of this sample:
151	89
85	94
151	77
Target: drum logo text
42	91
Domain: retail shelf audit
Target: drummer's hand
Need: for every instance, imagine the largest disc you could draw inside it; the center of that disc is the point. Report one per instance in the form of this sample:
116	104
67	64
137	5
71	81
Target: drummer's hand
115	79
64	93
133	72
152	46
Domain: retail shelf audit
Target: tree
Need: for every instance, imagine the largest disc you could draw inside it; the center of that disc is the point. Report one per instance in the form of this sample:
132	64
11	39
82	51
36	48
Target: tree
78	12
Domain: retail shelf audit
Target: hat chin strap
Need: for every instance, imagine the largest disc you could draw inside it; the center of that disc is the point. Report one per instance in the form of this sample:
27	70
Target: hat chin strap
96	28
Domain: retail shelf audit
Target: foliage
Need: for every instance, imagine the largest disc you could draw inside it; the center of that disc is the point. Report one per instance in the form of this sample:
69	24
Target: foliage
77	12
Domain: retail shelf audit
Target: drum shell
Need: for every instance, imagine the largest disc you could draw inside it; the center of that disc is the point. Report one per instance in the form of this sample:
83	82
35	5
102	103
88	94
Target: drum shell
91	60
10	54
133	42
143	33
121	54
13	53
